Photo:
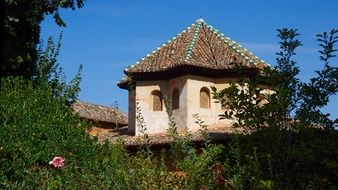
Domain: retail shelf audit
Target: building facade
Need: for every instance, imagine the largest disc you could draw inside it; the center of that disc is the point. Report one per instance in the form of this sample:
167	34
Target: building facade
176	79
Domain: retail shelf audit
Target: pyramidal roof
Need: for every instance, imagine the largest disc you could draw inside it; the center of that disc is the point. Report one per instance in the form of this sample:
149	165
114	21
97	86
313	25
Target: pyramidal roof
199	45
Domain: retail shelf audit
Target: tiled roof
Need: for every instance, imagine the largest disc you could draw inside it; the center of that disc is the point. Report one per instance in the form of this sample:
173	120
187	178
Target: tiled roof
199	45
217	134
100	113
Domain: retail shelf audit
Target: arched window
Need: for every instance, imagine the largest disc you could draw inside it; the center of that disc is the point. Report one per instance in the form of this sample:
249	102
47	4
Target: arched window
175	99
157	100
205	98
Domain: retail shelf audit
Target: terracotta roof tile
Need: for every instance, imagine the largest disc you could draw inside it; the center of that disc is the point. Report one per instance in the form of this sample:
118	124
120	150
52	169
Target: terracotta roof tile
217	134
199	45
100	113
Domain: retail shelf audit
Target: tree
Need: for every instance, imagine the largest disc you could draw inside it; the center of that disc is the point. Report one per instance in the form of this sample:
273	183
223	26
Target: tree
291	151
292	103
316	93
22	20
48	72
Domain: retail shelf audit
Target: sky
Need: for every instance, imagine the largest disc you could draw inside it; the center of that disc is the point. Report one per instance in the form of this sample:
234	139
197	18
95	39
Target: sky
107	36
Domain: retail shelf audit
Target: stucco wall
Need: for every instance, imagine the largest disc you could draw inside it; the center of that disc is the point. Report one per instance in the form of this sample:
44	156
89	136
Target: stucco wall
156	121
180	114
189	103
210	115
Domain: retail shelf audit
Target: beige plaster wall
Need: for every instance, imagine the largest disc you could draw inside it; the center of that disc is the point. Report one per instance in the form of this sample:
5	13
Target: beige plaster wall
189	87
209	116
180	114
156	121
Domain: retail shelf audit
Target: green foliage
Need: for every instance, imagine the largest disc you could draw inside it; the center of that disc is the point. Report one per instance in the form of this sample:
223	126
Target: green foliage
22	20
290	138
196	163
241	100
280	152
48	71
316	93
37	126
307	157
241	170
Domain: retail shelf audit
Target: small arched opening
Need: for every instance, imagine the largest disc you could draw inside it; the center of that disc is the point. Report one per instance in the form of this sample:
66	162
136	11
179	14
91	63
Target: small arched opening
175	98
157	100
205	98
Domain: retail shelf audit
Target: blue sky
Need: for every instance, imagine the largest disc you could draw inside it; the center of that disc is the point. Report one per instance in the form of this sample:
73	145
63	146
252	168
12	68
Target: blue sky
107	36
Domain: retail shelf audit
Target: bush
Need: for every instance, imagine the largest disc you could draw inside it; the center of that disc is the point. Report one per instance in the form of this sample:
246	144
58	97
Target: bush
37	126
288	134
309	160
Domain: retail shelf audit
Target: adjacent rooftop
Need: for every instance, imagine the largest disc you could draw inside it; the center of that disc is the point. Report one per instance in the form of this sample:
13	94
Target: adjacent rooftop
99	113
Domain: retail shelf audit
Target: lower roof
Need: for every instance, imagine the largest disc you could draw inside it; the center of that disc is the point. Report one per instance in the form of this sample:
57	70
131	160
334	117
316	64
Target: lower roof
99	113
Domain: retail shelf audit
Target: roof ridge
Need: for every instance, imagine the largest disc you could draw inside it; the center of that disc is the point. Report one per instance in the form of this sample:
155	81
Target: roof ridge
234	45
186	44
163	45
191	46
96	104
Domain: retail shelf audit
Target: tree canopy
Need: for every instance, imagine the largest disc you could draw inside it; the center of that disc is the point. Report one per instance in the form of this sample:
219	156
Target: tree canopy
22	19
291	102
288	132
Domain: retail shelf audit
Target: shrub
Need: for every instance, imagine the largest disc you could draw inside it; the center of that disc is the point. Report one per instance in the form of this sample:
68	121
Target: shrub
36	127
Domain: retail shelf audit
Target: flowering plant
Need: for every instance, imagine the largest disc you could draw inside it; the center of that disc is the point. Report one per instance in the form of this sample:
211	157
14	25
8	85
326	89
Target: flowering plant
57	162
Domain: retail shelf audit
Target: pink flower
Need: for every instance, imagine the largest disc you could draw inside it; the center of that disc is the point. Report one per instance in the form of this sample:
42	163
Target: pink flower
57	162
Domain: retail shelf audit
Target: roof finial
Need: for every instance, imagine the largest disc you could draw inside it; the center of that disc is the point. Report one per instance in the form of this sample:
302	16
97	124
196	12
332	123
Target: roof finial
200	19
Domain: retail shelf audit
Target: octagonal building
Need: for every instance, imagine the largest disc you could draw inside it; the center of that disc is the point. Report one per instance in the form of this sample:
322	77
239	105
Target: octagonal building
178	75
